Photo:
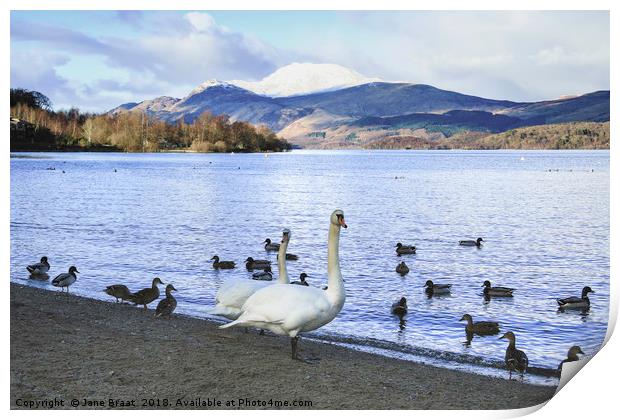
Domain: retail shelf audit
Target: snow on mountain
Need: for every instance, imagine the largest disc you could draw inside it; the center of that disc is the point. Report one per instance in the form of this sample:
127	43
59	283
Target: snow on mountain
304	78
208	84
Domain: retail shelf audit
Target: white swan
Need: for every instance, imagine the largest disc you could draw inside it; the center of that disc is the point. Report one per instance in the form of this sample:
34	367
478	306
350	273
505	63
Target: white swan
234	292
287	309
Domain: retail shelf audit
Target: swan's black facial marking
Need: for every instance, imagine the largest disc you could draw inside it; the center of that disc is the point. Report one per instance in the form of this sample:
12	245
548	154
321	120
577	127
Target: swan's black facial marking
341	220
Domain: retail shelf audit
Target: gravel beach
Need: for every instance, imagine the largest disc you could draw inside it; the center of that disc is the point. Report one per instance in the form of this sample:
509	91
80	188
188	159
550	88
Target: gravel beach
69	351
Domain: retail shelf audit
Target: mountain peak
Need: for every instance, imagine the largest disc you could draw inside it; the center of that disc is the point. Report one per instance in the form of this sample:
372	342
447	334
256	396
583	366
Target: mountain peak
209	84
304	78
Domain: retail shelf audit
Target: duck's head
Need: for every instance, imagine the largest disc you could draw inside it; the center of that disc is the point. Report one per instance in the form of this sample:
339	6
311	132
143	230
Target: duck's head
402	264
249	260
399	245
43	259
402	301
170	288
574	351
586	290
72	269
337	218
479	240
286	235
157	281
303	276
267	241
509	336
216	258
486	283
466	317
428	283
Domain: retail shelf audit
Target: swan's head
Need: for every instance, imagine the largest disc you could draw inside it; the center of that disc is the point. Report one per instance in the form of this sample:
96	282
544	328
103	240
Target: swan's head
337	218
72	269
43	259
286	235
466	317
486	283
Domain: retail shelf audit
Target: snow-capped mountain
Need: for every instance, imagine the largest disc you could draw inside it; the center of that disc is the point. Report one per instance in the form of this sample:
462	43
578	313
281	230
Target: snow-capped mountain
305	78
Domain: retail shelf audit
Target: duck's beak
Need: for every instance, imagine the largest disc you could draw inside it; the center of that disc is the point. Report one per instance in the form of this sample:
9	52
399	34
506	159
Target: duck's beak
77	271
462	319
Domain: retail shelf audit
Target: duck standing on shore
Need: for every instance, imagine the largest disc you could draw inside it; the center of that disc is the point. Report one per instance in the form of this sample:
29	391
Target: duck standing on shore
289	310
477	242
572	356
233	293
217	264
405	249
65	279
271	246
515	359
575	302
167	305
148	295
119	291
39	269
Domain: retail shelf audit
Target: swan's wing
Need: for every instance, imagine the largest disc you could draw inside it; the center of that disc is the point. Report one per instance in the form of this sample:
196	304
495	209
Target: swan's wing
235	292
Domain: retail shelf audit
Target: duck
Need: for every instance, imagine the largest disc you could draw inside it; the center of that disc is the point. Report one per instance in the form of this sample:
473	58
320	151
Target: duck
437	289
572	356
217	264
252	264
167	305
480	327
233	293
289	310
148	295
302	280
263	275
496	291
402	268
515	359
119	291
404	249
574	302
290	257
271	246
40	268
399	307
65	279
477	242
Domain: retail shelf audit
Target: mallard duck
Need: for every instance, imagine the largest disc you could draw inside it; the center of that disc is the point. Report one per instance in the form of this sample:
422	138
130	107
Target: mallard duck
496	291
167	305
263	275
575	302
572	356
148	295
437	289
402	268
252	264
119	291
39	268
302	280
480	327
515	359
404	249
399	307
289	257
65	279
217	264
271	246
477	242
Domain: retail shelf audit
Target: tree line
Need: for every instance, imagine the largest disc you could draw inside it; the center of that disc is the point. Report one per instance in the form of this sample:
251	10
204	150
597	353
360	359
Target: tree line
35	126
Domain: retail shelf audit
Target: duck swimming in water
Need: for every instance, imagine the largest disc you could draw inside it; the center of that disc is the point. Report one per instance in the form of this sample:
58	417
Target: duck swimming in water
252	264
119	291
166	306
515	359
399	308
480	327
148	295
574	302
477	242
405	249
302	280
496	291
271	246
572	356
40	268
402	268
263	275
289	257
65	279
436	289
217	264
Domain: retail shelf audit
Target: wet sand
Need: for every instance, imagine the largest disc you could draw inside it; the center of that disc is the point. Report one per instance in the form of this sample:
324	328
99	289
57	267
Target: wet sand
69	347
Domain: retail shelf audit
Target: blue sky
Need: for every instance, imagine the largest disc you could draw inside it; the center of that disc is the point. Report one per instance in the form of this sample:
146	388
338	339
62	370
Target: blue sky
98	59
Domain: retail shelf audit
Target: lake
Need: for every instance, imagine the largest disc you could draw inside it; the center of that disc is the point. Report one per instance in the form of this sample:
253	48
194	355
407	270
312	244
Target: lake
544	216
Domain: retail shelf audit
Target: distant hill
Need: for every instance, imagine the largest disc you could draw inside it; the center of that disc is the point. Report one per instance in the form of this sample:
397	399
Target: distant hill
358	115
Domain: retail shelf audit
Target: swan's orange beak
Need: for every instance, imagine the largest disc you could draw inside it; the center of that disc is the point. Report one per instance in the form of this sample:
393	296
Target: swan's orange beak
342	223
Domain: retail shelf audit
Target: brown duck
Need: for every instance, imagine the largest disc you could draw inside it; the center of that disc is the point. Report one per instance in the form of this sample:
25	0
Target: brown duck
572	356
148	295
217	264
167	305
480	327
119	291
515	359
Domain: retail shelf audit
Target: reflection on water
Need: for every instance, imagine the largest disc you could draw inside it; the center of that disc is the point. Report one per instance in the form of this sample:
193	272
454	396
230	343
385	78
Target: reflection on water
124	218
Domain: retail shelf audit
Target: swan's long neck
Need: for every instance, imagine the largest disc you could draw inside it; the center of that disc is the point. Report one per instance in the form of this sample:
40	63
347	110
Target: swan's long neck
282	272
335	289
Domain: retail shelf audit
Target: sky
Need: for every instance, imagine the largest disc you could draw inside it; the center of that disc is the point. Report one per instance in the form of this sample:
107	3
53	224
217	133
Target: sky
96	60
